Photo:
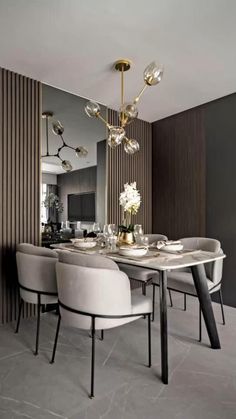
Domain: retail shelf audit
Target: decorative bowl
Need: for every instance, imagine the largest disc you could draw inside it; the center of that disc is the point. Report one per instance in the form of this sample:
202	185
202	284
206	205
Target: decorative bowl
133	251
172	247
84	243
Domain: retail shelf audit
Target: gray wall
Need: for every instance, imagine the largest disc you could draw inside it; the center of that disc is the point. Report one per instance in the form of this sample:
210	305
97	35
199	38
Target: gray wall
210	130
78	181
101	183
49	178
79	128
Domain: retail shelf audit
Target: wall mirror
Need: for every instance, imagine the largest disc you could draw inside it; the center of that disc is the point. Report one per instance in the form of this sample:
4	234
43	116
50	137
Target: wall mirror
73	188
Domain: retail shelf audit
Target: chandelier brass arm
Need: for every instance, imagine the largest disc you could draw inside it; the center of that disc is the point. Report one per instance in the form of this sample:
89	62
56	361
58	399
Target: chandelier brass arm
152	75
58	129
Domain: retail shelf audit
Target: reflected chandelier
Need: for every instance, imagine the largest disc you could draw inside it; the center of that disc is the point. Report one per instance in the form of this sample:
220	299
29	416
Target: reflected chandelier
58	129
152	75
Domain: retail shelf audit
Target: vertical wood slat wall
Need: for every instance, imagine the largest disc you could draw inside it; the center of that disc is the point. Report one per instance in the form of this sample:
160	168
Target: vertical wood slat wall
123	168
179	170
20	149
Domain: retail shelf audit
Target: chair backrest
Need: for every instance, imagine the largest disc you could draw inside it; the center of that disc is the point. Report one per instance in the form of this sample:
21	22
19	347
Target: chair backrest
89	261
213	269
91	290
155	237
36	270
30	249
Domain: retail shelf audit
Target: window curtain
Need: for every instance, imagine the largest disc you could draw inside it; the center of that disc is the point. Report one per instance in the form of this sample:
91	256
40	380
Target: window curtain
52	212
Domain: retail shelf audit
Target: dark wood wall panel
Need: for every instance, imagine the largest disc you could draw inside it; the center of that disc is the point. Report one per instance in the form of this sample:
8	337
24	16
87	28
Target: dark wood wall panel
179	173
220	129
123	168
77	181
20	149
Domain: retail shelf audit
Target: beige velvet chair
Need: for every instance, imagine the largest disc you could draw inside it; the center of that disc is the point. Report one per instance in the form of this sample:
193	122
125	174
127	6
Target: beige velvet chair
95	295
142	275
182	281
36	279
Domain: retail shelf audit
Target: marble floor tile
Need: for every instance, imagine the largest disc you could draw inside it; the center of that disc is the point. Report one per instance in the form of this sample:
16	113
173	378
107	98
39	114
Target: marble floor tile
202	381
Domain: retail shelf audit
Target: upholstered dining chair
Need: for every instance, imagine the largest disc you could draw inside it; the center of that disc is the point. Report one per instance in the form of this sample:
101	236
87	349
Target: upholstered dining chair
36	279
142	275
96	298
182	281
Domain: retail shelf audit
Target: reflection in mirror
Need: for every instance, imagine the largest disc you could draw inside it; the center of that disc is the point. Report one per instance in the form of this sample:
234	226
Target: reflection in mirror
73	168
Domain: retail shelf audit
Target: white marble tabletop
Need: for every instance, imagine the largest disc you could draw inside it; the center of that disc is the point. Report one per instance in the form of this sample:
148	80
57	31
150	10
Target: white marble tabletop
167	261
161	262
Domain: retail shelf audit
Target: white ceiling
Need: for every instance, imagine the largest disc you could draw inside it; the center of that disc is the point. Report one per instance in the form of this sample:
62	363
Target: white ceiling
71	44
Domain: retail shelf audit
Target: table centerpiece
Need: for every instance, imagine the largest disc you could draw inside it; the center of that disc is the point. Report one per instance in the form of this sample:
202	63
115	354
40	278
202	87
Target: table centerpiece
130	201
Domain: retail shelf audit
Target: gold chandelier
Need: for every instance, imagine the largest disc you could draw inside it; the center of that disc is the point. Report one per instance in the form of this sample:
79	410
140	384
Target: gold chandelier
152	75
58	129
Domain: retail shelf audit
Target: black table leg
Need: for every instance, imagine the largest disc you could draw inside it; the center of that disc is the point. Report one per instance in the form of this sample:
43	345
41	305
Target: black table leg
163	325
199	277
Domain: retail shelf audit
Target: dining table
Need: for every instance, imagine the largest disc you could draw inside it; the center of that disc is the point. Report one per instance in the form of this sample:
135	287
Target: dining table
163	262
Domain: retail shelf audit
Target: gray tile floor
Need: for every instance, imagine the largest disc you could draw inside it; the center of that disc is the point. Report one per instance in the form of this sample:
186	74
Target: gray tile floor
202	380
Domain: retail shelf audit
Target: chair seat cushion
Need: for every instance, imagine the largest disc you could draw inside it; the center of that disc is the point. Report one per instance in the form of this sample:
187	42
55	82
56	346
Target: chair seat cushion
183	282
138	273
141	304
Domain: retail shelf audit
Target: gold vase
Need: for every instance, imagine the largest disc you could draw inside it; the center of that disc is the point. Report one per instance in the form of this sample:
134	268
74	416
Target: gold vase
126	238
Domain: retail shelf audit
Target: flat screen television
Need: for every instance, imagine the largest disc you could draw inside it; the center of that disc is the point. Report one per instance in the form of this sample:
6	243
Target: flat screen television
81	207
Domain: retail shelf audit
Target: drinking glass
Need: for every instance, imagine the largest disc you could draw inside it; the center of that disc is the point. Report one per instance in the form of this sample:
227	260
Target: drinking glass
96	228
138	232
112	240
144	240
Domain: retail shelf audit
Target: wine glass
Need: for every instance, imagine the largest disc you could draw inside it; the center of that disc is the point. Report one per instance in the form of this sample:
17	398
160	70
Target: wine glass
113	228
106	233
106	230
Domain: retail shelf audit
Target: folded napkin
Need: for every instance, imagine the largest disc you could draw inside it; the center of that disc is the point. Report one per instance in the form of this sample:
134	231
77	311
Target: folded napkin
161	243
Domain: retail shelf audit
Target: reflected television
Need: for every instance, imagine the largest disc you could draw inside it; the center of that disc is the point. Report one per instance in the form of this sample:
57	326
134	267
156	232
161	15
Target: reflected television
81	207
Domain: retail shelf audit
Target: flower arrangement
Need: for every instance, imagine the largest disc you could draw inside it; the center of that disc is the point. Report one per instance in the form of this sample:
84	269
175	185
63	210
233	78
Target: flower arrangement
130	201
52	201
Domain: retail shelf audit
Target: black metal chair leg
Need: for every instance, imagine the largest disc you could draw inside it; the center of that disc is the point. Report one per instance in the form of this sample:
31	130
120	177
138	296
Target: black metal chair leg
153	301
92	358
200	324
170	296
56	339
185	302
149	342
144	290
19	315
222	306
38	325
102	334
